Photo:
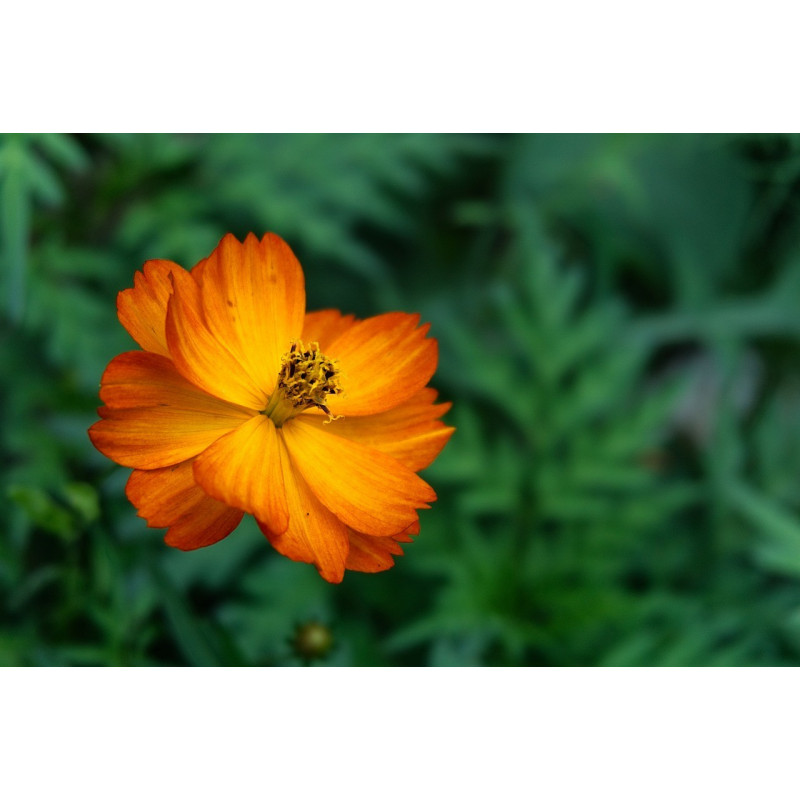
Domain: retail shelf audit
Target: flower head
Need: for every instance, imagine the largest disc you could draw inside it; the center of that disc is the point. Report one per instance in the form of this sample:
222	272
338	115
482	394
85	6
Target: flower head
241	402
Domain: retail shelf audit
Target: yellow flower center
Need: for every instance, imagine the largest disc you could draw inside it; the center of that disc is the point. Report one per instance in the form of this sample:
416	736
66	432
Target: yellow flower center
306	379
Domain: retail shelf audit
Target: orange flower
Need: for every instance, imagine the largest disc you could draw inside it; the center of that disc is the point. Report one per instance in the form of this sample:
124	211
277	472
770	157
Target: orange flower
239	401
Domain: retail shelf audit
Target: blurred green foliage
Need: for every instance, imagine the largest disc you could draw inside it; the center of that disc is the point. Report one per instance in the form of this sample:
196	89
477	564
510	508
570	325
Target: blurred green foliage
619	321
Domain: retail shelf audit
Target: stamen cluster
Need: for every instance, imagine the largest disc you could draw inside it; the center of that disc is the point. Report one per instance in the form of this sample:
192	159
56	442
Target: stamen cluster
306	379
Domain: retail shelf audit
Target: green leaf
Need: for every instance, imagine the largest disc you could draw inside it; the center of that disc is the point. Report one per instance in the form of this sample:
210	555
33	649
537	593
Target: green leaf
42	510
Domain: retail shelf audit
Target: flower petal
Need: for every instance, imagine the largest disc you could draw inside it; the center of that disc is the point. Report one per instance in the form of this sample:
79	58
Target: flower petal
314	535
374	553
243	469
143	309
371	553
170	498
198	269
384	361
326	326
411	433
366	489
202	357
139	379
154	417
254	298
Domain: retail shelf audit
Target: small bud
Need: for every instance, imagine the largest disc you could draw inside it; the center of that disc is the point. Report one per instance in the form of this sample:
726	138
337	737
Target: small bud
312	640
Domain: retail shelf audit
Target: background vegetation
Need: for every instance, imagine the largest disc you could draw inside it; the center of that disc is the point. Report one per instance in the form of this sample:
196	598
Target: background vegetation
619	322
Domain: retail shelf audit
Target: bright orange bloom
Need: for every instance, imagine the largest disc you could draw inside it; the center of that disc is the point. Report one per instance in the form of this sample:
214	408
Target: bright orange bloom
241	402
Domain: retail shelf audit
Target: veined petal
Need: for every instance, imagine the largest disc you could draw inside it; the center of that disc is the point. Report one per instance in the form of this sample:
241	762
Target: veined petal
204	358
139	379
405	536
154	417
366	489
314	535
254	297
374	553
143	309
198	269
326	326
149	438
243	469
383	361
411	433
371	553
170	498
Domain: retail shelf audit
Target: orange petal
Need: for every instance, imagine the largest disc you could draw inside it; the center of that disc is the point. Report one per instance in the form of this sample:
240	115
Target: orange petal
143	309
371	553
368	490
326	326
374	553
405	536
411	433
138	379
314	535
243	469
384	361
198	268
170	498
154	417
204	358
254	299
